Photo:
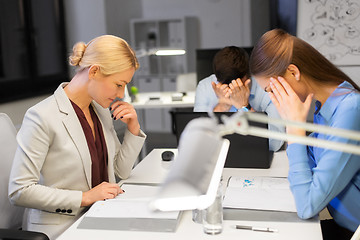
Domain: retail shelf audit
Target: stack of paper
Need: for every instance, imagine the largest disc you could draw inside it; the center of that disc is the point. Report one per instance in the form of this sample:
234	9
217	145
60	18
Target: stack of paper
130	211
260	193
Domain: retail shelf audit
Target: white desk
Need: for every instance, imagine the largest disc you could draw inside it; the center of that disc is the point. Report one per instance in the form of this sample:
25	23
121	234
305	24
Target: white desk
153	170
165	100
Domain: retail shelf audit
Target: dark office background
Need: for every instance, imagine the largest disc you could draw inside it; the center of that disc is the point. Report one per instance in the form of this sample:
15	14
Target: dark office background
33	48
283	14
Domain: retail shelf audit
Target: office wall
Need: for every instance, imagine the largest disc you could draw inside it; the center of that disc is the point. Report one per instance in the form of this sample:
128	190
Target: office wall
353	72
84	19
118	14
222	22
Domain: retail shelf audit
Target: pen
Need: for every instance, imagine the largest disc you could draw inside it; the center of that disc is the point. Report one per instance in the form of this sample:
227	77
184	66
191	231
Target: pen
258	229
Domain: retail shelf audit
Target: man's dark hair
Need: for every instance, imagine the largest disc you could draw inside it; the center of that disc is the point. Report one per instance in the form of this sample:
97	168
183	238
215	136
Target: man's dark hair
230	63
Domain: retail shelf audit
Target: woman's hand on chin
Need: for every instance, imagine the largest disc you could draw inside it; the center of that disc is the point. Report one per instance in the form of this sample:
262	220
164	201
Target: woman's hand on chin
127	114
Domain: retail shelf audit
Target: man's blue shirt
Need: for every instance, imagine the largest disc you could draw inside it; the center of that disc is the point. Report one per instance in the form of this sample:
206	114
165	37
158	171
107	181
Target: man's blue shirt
206	100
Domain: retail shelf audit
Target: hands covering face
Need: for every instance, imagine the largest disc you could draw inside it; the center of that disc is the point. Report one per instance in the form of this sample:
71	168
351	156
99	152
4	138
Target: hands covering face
235	94
287	102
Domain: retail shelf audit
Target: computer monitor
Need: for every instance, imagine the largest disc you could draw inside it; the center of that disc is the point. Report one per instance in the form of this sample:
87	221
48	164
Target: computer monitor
245	151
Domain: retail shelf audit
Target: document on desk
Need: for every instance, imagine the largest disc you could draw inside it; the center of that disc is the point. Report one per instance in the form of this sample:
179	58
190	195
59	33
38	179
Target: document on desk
130	211
259	193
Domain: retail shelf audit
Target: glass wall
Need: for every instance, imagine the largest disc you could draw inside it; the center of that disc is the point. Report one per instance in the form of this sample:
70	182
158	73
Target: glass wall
32	48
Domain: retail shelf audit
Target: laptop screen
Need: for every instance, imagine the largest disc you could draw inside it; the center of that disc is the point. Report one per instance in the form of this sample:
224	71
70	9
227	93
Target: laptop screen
244	152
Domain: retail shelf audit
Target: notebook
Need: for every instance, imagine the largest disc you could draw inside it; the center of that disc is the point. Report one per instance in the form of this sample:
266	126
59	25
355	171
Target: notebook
249	193
244	152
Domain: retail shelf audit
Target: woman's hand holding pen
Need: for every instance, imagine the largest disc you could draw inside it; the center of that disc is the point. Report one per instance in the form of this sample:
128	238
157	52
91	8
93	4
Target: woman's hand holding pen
102	191
288	103
127	114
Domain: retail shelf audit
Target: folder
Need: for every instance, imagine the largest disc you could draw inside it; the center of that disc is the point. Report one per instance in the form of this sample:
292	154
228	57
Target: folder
130	211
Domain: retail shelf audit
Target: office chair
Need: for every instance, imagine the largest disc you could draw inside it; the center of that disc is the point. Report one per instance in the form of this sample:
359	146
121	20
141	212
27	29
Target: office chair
11	216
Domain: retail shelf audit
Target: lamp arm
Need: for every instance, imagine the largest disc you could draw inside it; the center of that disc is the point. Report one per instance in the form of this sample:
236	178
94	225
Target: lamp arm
256	117
238	123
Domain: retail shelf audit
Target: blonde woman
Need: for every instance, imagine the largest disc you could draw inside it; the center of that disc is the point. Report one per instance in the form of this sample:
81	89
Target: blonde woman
68	151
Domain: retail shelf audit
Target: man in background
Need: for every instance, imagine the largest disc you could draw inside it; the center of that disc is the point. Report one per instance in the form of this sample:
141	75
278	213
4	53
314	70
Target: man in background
230	89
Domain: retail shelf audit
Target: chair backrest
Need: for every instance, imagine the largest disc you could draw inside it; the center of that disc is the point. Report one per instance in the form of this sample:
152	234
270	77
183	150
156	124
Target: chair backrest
11	216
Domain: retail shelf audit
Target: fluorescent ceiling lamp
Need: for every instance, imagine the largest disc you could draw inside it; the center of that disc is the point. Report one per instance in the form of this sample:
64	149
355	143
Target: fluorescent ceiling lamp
159	52
170	52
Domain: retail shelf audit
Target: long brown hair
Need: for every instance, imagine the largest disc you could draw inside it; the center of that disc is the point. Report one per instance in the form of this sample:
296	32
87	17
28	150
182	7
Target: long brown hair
277	49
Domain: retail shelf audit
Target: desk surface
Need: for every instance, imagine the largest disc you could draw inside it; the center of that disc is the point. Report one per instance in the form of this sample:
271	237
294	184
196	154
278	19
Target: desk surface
153	170
164	100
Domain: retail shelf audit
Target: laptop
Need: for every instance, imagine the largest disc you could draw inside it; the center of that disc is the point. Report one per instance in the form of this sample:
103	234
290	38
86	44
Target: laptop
244	151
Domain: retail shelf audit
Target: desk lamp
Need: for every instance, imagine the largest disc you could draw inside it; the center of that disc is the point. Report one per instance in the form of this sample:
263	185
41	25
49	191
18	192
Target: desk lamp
194	176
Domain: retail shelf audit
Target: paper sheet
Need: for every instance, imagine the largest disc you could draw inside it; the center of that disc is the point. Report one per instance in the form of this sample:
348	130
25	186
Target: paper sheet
260	193
134	203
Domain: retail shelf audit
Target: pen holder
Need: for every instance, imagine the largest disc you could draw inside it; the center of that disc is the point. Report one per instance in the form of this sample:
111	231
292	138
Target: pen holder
213	215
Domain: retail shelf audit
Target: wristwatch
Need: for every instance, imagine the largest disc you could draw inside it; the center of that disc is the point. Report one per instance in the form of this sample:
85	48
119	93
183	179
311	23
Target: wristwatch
246	108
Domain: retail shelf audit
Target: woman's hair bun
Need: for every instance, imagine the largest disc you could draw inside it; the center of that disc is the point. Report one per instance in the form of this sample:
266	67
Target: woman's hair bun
77	54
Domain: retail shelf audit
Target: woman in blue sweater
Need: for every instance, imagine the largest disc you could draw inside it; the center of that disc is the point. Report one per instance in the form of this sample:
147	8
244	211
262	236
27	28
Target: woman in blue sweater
294	73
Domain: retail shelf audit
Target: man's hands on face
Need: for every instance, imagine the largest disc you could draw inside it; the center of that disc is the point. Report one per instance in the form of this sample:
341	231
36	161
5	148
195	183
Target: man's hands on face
235	94
221	91
239	93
